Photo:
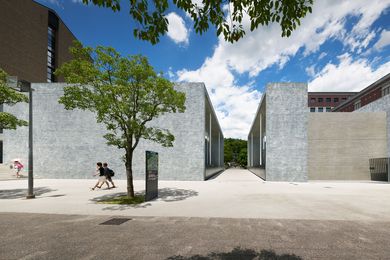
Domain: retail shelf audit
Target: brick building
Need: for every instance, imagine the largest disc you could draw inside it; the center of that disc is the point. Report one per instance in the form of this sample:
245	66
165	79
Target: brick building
376	90
34	40
326	101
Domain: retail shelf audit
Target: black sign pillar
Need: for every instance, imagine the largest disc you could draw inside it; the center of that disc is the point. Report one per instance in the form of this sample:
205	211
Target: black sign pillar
151	175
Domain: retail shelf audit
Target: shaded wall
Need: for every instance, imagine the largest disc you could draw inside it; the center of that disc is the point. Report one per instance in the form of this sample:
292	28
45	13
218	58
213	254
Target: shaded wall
213	141
67	144
340	144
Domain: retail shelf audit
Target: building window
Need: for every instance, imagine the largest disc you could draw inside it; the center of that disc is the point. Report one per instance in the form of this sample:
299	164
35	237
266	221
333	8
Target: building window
344	99
357	105
320	109
328	100
312	109
312	100
328	109
320	99
336	99
385	90
51	53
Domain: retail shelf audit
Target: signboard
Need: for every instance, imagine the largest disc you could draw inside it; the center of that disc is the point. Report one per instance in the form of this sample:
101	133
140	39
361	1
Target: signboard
151	175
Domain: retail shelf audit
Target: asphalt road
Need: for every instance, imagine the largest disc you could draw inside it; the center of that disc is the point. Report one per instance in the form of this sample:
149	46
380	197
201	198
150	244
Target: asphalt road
55	236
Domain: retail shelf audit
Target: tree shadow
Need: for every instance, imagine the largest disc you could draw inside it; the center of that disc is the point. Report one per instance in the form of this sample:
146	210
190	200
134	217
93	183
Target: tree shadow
21	193
164	194
239	254
172	194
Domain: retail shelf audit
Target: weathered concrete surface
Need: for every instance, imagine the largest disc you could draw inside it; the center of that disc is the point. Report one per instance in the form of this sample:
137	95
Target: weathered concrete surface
341	144
67	144
382	104
233	194
286	131
40	236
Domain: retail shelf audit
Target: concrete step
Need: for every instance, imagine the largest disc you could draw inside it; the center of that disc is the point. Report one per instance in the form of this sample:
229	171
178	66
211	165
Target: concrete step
6	173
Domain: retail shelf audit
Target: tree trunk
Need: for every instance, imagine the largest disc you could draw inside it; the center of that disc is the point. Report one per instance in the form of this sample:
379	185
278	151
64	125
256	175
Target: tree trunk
129	173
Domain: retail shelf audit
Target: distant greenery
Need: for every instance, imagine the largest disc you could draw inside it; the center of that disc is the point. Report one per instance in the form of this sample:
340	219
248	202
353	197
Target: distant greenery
123	200
235	151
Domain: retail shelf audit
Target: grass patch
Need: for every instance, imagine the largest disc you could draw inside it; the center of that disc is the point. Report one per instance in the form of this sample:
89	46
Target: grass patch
123	199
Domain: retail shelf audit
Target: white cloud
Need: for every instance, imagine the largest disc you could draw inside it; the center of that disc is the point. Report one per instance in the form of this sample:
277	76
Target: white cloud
310	71
348	75
177	30
322	55
383	41
264	48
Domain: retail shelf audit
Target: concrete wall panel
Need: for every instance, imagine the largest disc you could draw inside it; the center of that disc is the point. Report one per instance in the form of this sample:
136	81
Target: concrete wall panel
286	132
340	144
67	144
382	104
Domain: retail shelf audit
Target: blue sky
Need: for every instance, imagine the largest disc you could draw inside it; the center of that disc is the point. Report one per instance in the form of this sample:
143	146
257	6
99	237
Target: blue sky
341	46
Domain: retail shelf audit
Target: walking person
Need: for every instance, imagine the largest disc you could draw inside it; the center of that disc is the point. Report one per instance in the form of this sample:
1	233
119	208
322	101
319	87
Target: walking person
102	177
18	166
108	173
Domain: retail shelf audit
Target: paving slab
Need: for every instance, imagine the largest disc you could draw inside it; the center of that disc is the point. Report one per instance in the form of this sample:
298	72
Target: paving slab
44	236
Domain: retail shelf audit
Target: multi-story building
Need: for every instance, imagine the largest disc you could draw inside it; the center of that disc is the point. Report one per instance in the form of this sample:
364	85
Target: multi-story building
34	40
326	101
376	90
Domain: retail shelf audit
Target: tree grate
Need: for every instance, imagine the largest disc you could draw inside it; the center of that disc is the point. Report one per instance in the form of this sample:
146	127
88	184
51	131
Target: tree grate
115	221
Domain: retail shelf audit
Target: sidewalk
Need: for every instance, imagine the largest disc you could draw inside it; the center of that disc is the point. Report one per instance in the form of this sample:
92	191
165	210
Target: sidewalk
233	194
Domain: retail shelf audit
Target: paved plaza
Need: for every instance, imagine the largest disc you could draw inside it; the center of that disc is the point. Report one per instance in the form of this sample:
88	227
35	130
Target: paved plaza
235	215
233	194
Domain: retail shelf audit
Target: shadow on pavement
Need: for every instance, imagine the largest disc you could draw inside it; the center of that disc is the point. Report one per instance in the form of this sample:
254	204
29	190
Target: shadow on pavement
240	254
171	194
21	193
164	194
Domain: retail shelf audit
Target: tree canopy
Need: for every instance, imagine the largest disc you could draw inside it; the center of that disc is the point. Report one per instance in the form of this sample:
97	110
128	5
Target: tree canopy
235	151
226	16
10	97
125	93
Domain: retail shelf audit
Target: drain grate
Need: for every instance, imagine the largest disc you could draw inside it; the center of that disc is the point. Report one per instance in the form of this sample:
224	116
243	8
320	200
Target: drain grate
115	221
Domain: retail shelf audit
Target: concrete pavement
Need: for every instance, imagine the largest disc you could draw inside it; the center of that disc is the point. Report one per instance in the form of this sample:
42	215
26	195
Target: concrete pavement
233	194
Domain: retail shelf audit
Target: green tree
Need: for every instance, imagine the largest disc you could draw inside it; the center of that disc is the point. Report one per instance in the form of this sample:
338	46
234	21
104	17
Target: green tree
10	97
125	93
235	151
152	23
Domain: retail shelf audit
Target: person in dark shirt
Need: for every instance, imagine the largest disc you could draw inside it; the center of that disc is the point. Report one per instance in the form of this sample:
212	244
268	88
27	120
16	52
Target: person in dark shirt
108	174
102	177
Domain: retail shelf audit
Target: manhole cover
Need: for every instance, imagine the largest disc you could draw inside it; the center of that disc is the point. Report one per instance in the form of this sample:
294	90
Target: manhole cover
115	221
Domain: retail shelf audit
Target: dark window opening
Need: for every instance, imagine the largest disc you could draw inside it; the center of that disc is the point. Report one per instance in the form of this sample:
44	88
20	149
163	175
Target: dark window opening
312	109
1	151
320	100
328	109
320	109
328	100
336	99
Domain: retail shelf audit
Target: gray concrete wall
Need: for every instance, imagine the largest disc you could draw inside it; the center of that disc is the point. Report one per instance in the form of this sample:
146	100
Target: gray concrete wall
341	144
286	131
382	104
67	144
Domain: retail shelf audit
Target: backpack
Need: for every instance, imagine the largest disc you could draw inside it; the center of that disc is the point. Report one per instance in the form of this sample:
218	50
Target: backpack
111	172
